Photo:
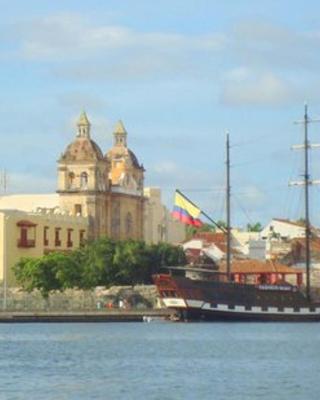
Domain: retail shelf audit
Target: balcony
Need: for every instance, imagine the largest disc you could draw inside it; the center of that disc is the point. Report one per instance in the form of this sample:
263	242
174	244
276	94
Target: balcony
26	243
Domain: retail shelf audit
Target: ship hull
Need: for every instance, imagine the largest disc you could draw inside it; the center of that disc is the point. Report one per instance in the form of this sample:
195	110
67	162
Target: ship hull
192	314
223	301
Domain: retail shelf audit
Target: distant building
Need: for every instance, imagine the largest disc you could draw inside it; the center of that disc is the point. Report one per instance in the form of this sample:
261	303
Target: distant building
241	240
159	225
257	249
282	229
33	234
263	272
208	244
209	249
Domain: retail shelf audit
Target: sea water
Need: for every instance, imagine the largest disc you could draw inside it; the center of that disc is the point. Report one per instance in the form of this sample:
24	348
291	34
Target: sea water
160	360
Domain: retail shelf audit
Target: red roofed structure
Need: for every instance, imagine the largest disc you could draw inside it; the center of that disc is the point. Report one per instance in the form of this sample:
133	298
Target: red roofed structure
262	272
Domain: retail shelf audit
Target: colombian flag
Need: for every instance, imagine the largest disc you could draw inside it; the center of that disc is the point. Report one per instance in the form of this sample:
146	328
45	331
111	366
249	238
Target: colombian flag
185	211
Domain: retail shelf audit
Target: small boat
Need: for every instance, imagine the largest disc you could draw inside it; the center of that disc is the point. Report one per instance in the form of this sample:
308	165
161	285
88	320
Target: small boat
149	318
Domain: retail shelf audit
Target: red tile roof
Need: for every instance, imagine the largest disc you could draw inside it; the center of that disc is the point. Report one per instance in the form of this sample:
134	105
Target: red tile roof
216	238
250	266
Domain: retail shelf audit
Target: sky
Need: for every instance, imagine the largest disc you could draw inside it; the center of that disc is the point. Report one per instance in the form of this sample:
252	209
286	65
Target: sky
179	74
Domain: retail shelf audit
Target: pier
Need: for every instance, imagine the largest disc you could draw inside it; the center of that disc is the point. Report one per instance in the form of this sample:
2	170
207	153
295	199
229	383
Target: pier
83	316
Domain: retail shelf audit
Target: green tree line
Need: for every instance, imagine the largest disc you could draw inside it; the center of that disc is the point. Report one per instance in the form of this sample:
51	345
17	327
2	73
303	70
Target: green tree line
192	230
102	262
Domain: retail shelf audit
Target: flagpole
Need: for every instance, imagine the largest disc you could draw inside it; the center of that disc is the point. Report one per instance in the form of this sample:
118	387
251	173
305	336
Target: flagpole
228	193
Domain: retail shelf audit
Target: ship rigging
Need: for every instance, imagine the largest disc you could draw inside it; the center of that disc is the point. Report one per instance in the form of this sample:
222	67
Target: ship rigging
220	298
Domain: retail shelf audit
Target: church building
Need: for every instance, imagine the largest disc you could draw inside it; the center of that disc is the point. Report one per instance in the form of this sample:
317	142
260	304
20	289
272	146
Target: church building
98	194
105	188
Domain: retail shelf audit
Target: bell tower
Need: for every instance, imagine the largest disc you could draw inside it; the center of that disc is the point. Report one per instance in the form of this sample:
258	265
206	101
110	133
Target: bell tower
120	135
83	183
83	125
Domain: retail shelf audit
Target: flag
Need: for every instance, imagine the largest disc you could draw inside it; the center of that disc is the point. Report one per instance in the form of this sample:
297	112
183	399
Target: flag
185	211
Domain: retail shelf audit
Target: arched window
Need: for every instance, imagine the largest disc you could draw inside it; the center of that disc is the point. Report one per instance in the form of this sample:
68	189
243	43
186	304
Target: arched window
71	178
84	180
128	224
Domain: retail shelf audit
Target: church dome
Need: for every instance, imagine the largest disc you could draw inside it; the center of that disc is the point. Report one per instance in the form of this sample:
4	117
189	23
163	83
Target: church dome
120	151
82	149
123	153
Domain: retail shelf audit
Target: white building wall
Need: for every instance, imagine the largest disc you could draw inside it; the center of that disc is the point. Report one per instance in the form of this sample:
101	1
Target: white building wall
286	230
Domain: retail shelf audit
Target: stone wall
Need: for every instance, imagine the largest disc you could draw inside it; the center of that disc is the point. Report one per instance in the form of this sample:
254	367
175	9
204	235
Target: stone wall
125	297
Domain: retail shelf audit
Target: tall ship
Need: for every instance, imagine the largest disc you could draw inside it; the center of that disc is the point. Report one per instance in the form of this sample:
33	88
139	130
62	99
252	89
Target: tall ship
197	293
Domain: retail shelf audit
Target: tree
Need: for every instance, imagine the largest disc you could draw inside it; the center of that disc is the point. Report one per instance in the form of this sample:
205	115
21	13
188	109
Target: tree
192	230
256	227
102	262
164	255
222	224
96	262
131	262
46	273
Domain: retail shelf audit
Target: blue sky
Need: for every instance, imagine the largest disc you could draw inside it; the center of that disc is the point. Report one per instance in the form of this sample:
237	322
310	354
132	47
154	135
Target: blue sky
178	74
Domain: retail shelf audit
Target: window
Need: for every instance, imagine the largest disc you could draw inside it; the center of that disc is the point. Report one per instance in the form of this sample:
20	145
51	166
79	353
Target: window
27	234
71	178
45	236
78	209
69	239
84	180
57	241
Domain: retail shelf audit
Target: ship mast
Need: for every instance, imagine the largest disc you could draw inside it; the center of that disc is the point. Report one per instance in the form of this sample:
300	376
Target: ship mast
306	183
306	197
228	195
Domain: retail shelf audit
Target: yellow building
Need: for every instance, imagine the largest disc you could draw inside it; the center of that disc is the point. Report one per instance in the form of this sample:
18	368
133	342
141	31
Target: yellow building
33	234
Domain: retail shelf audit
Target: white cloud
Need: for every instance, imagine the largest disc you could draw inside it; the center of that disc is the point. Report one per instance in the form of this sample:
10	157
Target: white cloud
268	45
264	89
72	36
270	65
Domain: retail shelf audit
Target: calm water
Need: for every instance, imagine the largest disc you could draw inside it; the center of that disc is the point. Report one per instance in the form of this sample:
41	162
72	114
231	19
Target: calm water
160	361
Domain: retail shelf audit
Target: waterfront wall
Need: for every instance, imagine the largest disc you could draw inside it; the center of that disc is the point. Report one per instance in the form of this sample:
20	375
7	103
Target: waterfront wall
124	297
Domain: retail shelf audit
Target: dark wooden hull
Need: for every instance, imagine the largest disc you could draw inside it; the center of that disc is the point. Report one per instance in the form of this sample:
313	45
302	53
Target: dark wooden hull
226	301
196	315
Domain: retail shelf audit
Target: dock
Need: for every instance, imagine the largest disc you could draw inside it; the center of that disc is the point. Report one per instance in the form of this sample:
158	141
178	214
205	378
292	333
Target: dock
83	316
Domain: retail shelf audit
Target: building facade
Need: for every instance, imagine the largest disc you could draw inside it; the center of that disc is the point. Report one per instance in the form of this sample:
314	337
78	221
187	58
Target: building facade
159	225
108	189
34	234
